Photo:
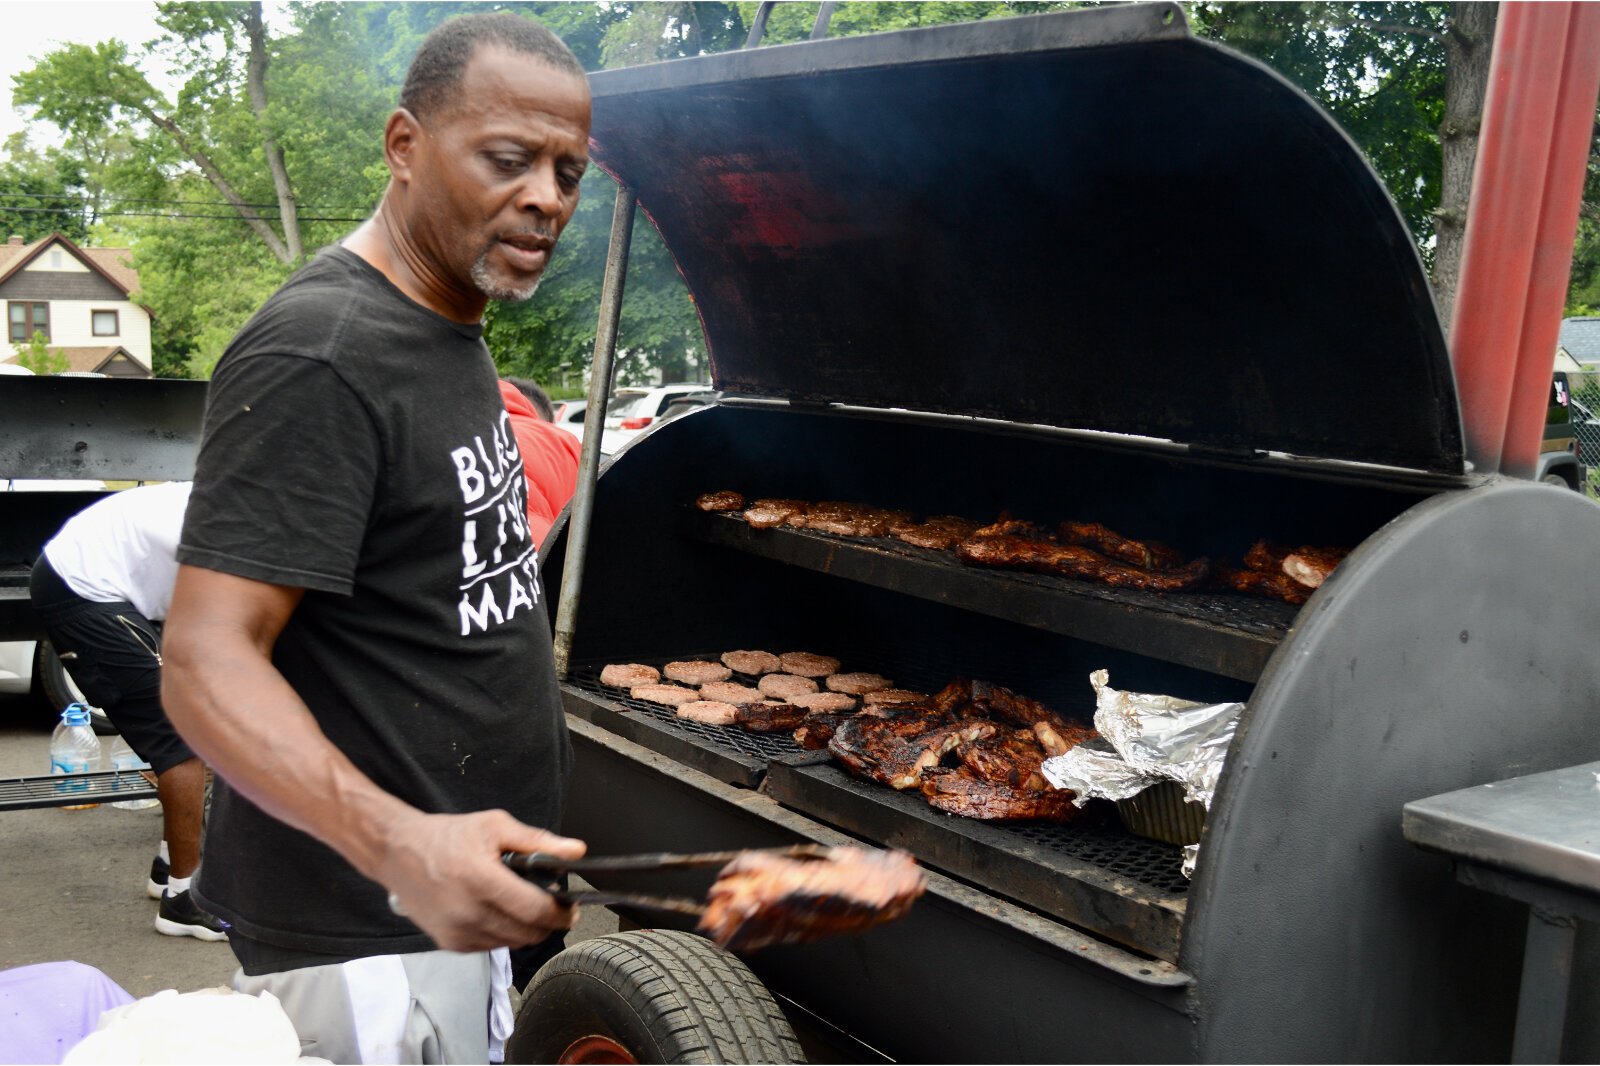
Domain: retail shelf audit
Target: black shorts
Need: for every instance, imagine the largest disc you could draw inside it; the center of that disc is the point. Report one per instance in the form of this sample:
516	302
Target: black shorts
114	654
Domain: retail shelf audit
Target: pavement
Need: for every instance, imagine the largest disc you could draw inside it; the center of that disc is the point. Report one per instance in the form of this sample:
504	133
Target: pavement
72	882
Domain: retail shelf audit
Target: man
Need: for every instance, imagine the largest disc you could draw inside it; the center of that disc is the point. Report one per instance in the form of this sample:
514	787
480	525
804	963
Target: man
549	455
99	586
357	641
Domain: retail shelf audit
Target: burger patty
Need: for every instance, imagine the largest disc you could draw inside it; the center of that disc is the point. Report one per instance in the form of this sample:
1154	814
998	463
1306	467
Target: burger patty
696	672
753	663
806	664
893	697
786	686
671	695
729	692
857	684
726	500
825	702
627	675
708	712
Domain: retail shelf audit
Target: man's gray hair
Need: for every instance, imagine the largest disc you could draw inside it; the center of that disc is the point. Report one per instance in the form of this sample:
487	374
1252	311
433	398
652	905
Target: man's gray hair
438	65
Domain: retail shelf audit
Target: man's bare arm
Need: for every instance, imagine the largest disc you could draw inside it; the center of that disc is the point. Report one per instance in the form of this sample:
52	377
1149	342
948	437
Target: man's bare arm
238	713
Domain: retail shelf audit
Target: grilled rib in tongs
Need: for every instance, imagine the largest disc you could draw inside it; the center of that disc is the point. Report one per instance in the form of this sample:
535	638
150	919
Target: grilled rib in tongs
760	897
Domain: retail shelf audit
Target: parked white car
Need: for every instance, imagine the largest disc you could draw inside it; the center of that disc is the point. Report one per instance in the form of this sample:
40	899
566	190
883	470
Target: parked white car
26	666
631	411
569	415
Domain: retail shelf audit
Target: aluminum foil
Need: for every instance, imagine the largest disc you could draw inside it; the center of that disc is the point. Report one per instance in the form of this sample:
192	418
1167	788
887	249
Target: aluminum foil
1154	738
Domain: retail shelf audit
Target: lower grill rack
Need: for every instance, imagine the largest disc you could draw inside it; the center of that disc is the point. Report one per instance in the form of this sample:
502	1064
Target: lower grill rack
1091	872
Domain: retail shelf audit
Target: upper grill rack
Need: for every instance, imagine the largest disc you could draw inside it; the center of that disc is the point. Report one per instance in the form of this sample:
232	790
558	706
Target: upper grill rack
1218	632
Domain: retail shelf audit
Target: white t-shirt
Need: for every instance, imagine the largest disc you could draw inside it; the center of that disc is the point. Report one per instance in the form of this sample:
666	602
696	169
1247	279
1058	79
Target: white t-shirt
124	548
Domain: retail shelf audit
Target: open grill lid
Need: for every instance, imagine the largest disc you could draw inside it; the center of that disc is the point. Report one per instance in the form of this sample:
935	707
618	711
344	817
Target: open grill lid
1089	220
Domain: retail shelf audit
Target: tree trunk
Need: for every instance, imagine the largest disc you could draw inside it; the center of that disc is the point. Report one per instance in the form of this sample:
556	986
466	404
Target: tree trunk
256	83
251	217
1467	47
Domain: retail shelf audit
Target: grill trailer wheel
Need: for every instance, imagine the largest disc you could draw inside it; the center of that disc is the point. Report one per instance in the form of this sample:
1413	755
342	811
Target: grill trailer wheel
650	995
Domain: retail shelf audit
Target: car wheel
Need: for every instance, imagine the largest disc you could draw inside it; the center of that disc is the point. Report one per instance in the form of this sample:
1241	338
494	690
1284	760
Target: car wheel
60	690
650	995
1557	479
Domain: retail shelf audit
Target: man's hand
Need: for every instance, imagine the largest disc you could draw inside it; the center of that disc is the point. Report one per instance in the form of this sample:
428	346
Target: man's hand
446	874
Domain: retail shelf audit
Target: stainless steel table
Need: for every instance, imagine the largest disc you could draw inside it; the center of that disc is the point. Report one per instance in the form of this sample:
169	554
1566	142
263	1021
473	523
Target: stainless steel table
1534	839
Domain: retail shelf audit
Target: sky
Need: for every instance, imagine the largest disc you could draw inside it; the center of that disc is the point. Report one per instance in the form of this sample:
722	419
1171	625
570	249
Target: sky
34	28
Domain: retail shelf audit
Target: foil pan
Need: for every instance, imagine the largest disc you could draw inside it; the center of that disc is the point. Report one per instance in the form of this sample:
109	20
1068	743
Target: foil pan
1153	738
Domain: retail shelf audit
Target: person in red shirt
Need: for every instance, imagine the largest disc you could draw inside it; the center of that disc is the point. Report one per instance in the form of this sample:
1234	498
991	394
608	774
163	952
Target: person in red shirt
549	455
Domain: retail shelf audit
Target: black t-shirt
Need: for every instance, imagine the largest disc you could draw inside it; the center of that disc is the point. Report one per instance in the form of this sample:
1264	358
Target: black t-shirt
356	446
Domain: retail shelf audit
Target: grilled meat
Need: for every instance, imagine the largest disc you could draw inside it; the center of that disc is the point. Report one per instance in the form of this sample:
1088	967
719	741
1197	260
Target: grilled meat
696	672
1011	757
729	692
897	751
1265	557
954	696
751	663
1150	555
770	716
768	514
808	665
1055	733
1070	560
814	733
964	793
627	675
893	697
1006	526
786	686
857	684
720	501
708	712
1311	566
940	533
824	702
670	695
1278	586
849	519
760	899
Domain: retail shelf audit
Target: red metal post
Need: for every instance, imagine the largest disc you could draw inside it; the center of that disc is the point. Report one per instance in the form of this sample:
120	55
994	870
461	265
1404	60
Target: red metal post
1552	253
1527	181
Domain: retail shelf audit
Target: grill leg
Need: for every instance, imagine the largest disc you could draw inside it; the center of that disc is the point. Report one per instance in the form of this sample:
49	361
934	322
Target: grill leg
1546	976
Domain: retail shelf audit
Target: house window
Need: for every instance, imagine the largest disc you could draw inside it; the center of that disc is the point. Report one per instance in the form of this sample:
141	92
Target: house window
104	323
25	319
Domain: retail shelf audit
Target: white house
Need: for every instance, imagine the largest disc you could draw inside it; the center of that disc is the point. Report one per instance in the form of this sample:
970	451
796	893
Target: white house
79	298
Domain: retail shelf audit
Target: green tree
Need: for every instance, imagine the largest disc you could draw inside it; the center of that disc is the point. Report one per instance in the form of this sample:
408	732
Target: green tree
41	194
37	356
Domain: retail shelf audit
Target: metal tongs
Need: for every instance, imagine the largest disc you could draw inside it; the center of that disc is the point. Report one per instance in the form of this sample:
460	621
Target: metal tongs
545	869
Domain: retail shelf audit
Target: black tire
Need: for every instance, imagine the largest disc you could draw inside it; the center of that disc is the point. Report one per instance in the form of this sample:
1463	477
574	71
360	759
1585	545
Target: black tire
59	689
662	995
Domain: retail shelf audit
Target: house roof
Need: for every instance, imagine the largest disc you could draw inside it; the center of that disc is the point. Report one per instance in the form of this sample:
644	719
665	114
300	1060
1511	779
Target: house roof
1581	338
111	263
90	358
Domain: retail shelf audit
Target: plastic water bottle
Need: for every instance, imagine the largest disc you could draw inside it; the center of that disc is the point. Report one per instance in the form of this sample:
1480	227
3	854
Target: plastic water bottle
74	750
124	760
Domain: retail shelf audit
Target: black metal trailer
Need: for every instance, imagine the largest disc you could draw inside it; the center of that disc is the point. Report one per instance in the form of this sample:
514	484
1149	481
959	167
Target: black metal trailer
1077	266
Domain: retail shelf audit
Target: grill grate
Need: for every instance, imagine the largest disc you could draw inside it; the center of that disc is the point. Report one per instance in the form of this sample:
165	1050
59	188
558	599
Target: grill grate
54	790
1150	863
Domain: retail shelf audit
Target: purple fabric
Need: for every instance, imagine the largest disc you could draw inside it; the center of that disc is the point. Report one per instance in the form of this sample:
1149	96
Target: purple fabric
47	1008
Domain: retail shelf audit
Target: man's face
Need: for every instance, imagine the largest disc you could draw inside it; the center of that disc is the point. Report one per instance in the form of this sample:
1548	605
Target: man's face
494	179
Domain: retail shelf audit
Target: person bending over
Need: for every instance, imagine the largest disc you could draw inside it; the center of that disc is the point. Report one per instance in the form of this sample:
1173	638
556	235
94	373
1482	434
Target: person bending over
99	587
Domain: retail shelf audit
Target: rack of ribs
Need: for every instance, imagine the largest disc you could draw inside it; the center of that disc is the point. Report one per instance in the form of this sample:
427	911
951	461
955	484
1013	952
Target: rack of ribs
1148	555
760	899
1070	560
962	792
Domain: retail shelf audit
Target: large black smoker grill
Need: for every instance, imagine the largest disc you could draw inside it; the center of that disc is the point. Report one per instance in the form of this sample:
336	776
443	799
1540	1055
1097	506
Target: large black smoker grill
1081	266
